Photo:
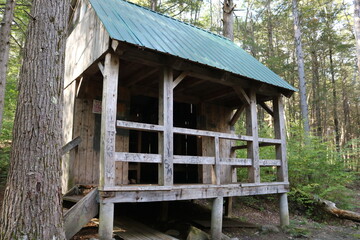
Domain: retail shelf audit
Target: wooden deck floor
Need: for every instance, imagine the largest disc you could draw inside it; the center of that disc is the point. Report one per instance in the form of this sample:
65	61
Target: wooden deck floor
129	229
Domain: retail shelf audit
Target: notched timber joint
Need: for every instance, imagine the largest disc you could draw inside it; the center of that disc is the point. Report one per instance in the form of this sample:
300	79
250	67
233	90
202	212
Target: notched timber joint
267	108
106	194
242	94
101	68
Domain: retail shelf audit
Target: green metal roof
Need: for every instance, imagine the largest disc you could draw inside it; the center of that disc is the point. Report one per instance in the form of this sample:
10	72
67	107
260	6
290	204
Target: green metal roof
137	25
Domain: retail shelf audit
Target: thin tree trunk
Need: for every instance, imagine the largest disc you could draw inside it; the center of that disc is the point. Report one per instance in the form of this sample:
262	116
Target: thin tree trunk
269	29
5	32
153	5
32	202
357	30
228	19
301	72
316	89
334	96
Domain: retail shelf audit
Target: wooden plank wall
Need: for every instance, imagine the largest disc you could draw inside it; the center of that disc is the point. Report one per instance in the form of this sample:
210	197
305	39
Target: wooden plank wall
215	118
86	159
87	42
68	122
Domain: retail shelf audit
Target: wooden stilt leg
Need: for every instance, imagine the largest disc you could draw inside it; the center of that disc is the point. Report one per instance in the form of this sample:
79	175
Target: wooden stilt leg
284	210
216	218
228	206
106	218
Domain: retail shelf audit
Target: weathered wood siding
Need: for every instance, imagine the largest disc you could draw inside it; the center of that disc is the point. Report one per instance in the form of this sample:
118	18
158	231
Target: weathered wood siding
68	122
87	42
215	118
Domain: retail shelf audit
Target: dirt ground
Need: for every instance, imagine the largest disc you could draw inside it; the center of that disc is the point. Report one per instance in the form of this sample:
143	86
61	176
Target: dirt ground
263	212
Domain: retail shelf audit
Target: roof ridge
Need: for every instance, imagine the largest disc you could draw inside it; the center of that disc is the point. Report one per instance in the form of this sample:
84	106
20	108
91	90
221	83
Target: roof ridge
172	18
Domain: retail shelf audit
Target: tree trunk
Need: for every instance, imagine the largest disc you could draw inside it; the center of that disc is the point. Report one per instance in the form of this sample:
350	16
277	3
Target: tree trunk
316	92
153	5
334	96
357	30
32	202
5	32
301	72
269	29
228	19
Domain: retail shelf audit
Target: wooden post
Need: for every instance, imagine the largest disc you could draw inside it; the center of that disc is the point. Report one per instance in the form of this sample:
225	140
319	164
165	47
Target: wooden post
252	130
107	142
216	218
282	171
279	125
217	161
108	122
166	168
284	210
106	223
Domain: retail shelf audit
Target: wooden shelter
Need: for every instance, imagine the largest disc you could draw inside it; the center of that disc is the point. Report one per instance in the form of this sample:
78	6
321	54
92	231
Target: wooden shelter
155	102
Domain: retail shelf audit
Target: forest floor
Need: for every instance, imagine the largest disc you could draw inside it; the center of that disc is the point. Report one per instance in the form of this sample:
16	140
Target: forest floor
263	212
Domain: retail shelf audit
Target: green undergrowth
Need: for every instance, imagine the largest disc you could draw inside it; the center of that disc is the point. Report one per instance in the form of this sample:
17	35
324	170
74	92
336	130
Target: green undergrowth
316	170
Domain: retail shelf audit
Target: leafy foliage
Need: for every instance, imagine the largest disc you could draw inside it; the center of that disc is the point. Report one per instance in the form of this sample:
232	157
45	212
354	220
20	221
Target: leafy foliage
317	169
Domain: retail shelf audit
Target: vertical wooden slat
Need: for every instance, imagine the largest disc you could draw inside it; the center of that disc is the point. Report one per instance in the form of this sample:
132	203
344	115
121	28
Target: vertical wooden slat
252	130
217	160
166	169
108	121
279	124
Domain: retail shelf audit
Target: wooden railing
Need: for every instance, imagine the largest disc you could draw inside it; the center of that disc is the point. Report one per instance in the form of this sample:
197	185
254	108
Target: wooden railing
215	160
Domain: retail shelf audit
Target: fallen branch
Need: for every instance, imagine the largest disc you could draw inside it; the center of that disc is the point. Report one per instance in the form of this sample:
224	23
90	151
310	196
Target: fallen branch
331	208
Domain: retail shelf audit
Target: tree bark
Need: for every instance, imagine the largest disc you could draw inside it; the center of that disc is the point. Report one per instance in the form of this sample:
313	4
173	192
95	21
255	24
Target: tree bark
5	32
153	5
316	92
357	30
334	96
301	71
228	19
32	202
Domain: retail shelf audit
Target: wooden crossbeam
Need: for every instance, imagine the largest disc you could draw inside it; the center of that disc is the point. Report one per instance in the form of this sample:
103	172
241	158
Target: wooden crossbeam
216	95
71	145
179	79
101	68
237	115
242	94
141	76
267	108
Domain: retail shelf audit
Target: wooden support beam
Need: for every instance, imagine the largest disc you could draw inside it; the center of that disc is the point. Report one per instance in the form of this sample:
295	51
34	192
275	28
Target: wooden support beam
252	130
138	77
78	86
242	94
280	133
216	95
106	223
70	145
284	210
267	108
237	115
101	68
166	169
155	193
217	161
216	218
114	44
108	121
179	79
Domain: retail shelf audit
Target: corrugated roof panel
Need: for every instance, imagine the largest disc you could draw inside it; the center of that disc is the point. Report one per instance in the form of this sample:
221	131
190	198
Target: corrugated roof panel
131	23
